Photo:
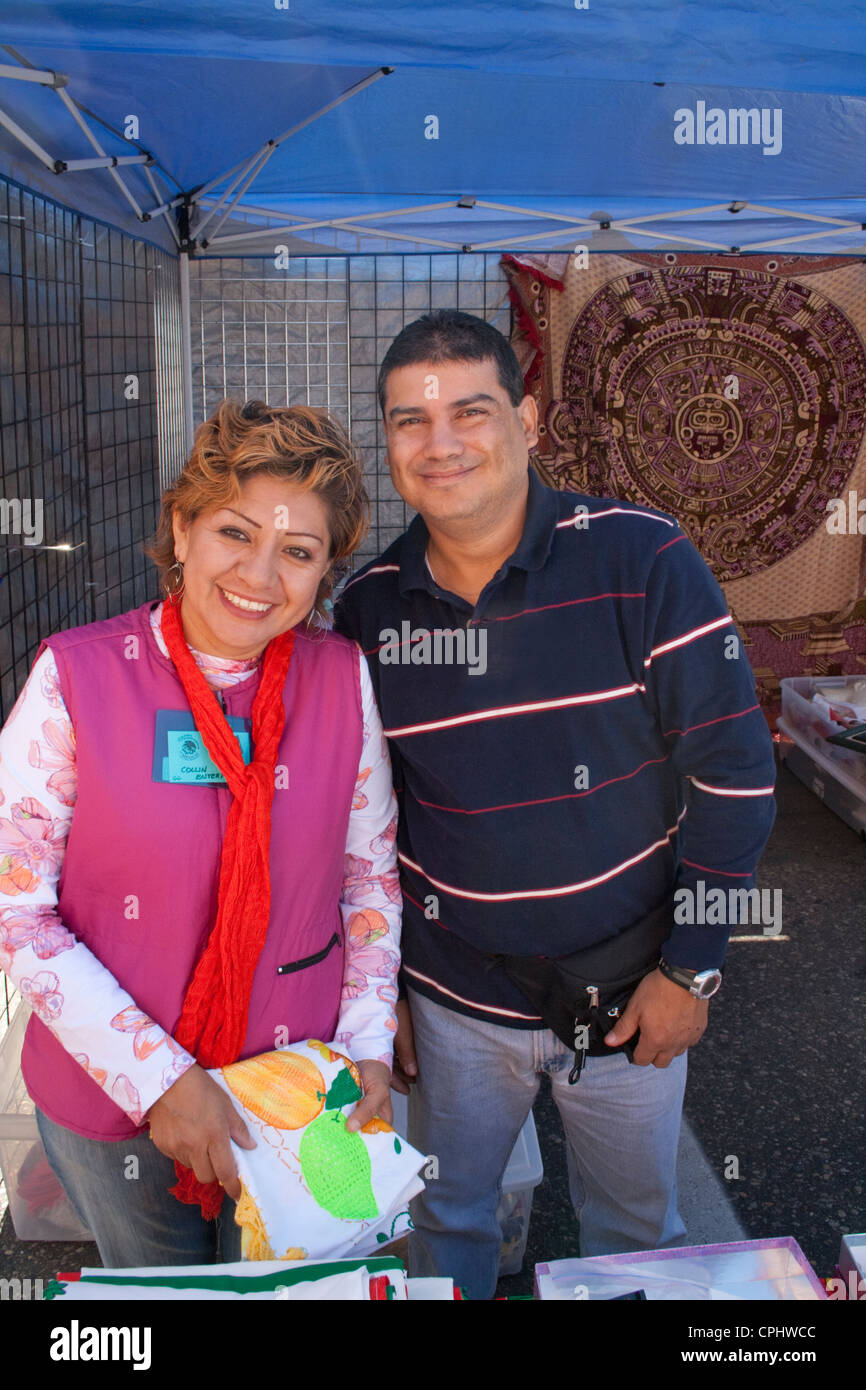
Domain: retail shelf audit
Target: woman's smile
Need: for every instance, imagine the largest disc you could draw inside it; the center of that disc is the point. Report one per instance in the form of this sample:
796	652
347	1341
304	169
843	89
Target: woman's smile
244	607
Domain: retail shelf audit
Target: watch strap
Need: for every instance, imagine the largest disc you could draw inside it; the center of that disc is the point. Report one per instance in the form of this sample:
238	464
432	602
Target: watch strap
678	974
695	981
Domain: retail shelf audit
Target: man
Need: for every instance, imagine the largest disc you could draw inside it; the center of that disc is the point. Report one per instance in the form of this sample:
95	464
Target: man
591	745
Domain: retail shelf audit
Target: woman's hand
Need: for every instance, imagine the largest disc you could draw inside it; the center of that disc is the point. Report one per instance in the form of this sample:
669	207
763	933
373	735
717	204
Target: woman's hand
376	1080
193	1123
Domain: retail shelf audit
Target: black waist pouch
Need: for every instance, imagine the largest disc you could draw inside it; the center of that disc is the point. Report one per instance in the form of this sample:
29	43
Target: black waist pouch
581	996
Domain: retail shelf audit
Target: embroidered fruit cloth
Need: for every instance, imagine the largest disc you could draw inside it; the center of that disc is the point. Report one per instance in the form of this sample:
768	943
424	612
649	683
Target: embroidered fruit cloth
311	1189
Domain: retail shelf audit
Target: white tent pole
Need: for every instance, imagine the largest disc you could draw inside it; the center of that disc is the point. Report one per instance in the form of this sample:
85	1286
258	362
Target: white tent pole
46	78
14	129
520	241
806	216
250	171
167	207
308	120
292	224
206	188
352	221
186	352
342	227
666	216
338	101
156	193
57	80
537	236
248	208
614	226
542	214
806	236
108	161
620	222
216	207
337	223
298	222
681	240
402	236
254	173
82	125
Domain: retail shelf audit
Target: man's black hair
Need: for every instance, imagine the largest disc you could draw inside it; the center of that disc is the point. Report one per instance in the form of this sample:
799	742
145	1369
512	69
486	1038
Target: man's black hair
447	335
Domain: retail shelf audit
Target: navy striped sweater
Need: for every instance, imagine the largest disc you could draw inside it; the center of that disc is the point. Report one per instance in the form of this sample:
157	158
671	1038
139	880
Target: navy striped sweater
598	746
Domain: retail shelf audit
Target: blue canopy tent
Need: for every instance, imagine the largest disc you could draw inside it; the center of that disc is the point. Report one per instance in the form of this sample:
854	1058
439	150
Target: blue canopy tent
336	128
461	125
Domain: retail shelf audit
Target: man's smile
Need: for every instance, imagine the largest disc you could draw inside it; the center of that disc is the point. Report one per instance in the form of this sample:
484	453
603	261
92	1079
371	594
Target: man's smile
443	476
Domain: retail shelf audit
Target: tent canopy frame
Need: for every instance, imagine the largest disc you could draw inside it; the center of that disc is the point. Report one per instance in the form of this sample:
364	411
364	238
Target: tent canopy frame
200	208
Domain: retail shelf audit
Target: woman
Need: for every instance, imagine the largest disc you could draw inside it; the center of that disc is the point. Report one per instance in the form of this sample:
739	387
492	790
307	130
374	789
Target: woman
188	880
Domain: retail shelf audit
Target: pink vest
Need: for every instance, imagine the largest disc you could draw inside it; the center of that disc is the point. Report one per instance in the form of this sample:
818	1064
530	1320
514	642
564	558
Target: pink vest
139	878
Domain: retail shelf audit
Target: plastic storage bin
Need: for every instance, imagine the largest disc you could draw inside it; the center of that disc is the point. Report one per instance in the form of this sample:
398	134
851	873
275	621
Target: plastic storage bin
522	1175
39	1206
750	1270
806	725
837	791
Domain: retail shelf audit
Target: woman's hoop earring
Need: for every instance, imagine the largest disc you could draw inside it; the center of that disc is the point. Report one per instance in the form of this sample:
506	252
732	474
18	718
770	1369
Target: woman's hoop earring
174	591
316	624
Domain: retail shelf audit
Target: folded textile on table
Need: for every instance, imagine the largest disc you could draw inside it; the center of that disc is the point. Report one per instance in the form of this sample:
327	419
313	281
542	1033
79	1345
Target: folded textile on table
264	1281
380	1278
842	704
311	1189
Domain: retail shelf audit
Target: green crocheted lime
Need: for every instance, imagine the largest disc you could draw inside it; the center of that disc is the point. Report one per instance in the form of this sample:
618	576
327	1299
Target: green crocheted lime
336	1168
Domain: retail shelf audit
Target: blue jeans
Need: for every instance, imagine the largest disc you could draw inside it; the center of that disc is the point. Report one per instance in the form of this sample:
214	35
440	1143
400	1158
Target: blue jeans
127	1206
477	1082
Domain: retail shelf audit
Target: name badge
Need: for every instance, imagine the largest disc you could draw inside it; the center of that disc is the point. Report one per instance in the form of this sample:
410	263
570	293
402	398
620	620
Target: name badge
179	752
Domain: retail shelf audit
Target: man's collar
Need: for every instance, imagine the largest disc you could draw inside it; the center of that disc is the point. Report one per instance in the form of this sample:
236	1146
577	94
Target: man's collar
413	569
542	514
532	549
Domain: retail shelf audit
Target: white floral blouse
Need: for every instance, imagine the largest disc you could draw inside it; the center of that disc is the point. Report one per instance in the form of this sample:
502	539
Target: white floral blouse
67	986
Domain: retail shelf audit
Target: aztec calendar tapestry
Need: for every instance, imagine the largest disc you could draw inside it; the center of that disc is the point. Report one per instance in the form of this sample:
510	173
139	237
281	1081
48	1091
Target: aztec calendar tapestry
729	392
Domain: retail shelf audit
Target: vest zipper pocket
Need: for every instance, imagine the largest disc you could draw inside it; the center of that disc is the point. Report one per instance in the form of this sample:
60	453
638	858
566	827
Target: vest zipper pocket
294	965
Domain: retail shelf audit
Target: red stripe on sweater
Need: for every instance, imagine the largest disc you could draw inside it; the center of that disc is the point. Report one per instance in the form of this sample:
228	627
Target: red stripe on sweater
543	800
667	543
704	870
567	603
721	720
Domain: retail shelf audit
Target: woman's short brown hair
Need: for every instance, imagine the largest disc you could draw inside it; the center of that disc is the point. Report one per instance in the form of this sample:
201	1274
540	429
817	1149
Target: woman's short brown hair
300	443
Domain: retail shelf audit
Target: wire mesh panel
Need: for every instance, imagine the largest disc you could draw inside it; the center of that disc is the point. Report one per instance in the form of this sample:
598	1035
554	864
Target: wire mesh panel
314	329
121	416
78	424
272	329
42	431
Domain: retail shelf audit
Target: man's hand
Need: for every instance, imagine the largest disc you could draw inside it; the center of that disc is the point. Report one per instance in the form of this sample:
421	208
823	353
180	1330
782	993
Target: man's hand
669	1018
376	1080
193	1123
405	1062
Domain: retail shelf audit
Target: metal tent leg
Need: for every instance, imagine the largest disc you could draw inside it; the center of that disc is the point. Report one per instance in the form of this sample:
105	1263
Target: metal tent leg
186	352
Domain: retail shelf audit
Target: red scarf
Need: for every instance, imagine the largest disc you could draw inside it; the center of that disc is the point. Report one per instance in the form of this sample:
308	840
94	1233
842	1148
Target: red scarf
213	1022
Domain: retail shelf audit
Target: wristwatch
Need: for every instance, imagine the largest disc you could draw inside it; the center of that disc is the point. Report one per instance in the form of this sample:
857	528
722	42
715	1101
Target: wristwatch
703	984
